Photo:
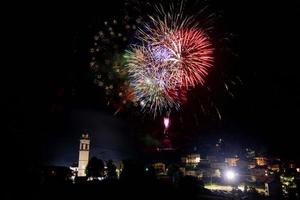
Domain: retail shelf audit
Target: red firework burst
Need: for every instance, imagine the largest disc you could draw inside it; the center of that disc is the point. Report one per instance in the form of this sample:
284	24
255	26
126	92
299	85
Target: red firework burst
193	53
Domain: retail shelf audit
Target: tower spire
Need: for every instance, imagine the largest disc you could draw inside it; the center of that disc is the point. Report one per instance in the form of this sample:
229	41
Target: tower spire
84	149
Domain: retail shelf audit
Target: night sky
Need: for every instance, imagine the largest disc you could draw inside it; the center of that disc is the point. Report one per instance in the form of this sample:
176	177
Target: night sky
51	97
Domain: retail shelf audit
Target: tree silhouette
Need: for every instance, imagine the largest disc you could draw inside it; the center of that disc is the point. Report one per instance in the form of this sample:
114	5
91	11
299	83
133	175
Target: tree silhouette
111	170
174	172
95	167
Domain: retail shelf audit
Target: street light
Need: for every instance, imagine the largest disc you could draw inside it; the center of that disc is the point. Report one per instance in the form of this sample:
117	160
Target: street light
230	175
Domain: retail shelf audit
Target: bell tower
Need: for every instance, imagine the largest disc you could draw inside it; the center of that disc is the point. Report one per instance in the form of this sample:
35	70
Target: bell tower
84	149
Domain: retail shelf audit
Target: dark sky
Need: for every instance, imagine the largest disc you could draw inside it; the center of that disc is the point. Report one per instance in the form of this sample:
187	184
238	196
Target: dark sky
51	97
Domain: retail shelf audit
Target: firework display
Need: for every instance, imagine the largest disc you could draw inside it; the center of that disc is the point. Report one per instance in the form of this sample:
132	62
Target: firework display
174	55
107	60
152	61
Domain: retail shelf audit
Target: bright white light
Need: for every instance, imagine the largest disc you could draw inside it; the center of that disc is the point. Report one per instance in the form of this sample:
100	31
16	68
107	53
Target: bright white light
166	122
230	175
